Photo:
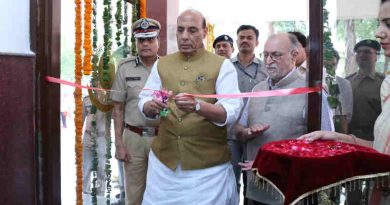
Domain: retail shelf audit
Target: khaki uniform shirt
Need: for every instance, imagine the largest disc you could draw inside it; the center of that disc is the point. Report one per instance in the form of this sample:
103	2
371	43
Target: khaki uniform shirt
366	103
130	78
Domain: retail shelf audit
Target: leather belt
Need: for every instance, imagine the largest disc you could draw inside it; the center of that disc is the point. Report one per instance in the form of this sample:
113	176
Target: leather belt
143	131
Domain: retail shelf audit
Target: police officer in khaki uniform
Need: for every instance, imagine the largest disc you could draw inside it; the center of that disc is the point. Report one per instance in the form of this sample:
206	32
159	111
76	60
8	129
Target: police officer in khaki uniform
134	133
366	85
223	46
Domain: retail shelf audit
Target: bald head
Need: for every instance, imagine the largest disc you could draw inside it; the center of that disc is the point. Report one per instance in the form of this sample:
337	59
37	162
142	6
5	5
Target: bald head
191	30
193	12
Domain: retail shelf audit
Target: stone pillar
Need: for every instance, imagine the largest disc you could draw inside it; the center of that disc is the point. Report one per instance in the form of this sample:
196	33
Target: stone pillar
166	13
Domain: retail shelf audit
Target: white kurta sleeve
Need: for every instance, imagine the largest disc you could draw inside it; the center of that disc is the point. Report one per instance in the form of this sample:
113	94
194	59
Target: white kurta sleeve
153	83
227	83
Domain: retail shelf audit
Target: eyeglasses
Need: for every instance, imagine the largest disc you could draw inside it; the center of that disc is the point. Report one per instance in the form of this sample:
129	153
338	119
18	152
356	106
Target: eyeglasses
275	56
150	40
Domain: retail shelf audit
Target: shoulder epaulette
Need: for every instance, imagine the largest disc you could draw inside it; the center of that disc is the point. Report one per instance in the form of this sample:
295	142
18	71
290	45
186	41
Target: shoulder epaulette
129	59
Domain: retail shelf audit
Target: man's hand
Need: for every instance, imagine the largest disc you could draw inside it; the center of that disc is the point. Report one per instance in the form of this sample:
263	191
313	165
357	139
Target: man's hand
122	154
246	166
153	108
184	102
253	131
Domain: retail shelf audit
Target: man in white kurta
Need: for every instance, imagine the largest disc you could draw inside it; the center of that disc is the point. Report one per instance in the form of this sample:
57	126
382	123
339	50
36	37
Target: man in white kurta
189	162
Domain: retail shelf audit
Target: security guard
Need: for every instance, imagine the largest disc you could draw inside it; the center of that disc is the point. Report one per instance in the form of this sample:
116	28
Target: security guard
133	133
223	46
366	85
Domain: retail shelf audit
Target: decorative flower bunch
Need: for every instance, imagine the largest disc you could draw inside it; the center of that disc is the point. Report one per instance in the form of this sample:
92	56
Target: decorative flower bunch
87	68
162	96
78	104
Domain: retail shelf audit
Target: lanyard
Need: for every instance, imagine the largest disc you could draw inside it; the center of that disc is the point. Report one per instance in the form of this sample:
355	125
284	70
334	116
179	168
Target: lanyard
242	69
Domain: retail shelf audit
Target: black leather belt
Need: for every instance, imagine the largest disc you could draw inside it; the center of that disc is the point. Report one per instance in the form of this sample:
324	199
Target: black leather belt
143	131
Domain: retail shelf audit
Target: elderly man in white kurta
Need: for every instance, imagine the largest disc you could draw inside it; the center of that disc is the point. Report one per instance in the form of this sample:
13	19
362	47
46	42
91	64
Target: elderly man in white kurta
189	162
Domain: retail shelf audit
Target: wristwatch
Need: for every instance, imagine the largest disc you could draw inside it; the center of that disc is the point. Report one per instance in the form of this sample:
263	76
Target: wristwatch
197	105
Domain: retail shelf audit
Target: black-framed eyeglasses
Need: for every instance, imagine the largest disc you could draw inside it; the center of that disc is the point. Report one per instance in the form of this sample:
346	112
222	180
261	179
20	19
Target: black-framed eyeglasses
275	56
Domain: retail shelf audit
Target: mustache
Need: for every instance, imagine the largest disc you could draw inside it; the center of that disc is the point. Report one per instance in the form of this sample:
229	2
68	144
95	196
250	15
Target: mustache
244	44
272	66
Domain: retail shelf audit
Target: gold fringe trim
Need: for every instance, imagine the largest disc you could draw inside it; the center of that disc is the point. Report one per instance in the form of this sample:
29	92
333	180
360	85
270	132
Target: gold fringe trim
269	182
102	107
321	188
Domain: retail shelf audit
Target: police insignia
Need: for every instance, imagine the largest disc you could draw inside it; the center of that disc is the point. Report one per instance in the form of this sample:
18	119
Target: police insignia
145	24
200	78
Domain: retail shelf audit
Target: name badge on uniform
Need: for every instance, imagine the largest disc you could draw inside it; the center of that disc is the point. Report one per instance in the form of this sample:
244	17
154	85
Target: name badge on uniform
133	78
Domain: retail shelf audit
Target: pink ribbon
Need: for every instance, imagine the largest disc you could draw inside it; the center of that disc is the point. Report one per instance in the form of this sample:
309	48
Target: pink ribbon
269	93
65	82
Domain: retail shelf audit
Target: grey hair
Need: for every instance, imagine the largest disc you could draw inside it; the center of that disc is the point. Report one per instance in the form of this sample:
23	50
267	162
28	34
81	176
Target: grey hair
294	43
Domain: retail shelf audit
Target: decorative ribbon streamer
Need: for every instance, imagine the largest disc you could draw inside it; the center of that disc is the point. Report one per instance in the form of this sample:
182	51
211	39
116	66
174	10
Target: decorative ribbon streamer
65	82
269	93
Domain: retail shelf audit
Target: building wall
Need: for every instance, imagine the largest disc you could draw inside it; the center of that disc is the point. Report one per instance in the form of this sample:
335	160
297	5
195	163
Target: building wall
15	27
17	129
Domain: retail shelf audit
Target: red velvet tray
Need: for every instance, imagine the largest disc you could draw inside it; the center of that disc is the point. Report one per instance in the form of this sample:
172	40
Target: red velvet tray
297	168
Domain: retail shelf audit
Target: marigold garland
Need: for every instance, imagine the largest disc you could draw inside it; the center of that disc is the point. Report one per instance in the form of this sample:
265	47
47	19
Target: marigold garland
118	18
78	104
210	37
87	67
107	168
135	17
107	16
125	31
95	60
142	8
95	160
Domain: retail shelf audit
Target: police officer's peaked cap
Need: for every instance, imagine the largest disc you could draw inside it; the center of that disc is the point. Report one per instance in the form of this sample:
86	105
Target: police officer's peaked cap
223	37
145	28
370	43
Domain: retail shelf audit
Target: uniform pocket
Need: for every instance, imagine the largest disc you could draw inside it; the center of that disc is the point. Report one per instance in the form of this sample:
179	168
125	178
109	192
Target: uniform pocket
133	88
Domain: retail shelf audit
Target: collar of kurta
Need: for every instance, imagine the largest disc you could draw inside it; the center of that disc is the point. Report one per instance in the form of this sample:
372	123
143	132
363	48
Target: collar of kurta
286	80
294	170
